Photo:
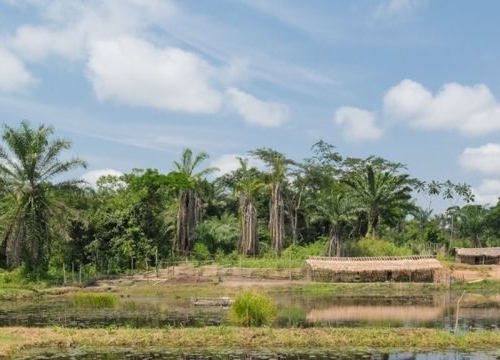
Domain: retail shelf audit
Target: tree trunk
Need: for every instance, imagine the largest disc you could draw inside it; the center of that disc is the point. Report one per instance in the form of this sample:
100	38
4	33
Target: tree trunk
276	219
334	242
248	225
188	216
372	225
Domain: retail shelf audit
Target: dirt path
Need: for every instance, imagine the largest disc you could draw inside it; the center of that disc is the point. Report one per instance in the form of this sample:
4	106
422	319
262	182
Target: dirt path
477	273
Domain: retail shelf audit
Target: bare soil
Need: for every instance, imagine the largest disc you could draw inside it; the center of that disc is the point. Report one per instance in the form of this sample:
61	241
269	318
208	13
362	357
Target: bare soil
471	273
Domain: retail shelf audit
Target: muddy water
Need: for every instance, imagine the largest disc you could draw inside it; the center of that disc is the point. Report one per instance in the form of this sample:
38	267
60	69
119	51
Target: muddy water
433	311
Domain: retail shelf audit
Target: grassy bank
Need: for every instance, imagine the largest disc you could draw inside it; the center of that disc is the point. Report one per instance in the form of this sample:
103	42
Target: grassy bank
13	341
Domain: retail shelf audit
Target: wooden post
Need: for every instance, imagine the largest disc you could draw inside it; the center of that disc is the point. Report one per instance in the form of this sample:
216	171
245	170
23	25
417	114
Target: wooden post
156	261
64	275
457	312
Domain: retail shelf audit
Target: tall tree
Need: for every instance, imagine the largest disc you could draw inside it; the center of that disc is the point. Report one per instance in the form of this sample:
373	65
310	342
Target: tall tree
276	178
379	189
472	223
337	211
246	189
189	202
29	159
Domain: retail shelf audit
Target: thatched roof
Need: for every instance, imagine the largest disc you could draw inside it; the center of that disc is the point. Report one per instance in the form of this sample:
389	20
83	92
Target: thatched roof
384	263
487	252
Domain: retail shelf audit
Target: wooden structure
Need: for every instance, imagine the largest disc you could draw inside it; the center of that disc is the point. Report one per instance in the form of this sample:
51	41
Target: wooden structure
374	269
478	256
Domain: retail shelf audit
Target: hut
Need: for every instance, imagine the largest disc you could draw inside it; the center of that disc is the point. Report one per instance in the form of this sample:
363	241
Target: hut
374	269
478	256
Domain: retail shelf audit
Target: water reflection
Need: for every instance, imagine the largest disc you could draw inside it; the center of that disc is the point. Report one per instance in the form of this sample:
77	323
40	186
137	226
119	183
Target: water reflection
436	311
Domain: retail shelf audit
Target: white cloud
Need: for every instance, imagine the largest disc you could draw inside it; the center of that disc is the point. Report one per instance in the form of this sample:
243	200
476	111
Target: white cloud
398	8
485	159
230	162
13	75
92	176
488	192
69	26
357	125
256	111
472	110
134	72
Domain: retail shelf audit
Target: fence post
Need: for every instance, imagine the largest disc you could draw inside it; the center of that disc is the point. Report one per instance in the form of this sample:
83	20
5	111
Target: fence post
64	274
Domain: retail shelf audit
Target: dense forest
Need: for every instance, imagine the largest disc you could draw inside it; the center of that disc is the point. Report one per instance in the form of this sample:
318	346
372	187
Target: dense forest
326	204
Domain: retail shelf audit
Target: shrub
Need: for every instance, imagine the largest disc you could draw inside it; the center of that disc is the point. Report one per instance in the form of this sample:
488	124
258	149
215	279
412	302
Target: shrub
377	247
201	253
94	300
251	308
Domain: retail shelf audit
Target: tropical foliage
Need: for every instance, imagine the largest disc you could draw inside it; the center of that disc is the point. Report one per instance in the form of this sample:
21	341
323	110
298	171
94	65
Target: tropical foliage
31	204
283	211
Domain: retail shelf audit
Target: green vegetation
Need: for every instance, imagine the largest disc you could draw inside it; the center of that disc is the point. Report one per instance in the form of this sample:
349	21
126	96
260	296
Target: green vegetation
94	300
230	338
251	308
327	204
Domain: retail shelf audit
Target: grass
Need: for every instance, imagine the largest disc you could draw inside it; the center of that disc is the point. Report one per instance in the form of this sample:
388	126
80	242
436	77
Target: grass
237	338
486	286
252	308
94	300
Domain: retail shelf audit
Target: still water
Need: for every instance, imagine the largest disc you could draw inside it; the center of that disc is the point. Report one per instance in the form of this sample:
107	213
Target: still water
311	355
432	311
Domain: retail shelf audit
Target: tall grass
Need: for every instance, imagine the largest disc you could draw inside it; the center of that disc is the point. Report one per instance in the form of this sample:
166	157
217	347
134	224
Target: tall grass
251	308
94	300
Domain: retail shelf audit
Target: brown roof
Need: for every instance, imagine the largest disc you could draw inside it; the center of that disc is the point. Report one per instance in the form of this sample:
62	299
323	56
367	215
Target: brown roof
388	263
491	251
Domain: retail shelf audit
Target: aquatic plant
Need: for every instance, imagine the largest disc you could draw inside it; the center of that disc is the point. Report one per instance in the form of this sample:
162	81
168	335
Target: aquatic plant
94	300
251	308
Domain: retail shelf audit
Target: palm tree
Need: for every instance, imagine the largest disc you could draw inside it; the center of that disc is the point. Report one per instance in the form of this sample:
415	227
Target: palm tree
28	162
247	188
378	191
189	203
335	208
472	222
276	179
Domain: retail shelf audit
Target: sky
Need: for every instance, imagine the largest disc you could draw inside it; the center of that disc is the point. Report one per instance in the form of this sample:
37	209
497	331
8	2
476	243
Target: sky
131	83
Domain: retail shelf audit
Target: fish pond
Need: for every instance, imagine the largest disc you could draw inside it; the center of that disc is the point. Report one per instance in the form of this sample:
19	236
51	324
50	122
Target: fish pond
148	308
261	355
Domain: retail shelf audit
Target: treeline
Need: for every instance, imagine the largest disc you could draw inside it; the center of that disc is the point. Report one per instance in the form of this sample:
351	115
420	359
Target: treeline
326	204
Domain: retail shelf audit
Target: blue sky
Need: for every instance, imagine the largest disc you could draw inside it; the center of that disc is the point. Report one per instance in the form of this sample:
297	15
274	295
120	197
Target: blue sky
133	82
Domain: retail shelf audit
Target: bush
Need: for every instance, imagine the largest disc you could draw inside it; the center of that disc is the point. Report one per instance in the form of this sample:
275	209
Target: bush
94	301
201	253
251	308
377	247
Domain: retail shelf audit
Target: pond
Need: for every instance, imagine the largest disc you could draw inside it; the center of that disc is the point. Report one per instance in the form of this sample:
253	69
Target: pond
295	310
311	355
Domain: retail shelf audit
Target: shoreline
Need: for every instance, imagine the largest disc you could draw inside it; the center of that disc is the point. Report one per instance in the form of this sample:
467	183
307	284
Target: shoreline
18	340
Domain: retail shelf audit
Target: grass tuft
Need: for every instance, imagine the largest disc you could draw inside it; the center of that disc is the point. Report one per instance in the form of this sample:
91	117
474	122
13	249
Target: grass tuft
251	308
94	300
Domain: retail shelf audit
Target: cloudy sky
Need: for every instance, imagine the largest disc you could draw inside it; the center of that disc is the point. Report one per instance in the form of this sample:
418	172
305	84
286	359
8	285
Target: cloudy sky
133	82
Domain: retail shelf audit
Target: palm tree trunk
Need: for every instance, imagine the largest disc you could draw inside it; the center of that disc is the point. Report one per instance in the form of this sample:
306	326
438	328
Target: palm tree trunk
249	233
334	242
276	219
187	218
